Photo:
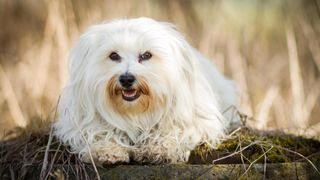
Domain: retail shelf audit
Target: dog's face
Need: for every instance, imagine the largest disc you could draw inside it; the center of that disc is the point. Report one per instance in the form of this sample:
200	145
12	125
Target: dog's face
137	62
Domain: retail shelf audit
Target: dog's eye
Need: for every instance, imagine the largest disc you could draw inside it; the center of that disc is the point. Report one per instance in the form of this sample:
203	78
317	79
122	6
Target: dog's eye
145	56
115	56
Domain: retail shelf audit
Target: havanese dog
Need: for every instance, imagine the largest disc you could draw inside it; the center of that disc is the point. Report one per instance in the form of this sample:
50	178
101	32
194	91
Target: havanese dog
139	92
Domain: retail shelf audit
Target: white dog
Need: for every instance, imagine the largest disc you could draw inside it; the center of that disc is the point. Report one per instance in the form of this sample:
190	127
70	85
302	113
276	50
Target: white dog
138	91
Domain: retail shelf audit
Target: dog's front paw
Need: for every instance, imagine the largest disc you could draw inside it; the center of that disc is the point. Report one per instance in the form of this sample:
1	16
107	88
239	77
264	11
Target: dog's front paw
107	157
153	155
159	155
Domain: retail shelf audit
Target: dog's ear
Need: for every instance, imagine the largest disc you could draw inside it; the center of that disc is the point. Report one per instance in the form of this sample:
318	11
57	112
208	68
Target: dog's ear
75	101
188	58
79	56
187	67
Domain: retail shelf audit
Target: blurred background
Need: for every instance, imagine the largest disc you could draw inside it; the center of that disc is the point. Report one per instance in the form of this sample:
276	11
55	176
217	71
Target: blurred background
270	48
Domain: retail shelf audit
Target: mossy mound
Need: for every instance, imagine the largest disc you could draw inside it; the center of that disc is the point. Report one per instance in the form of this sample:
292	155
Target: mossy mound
248	145
25	155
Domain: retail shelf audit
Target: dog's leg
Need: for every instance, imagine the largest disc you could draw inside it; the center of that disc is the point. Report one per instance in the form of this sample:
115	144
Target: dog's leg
110	153
167	151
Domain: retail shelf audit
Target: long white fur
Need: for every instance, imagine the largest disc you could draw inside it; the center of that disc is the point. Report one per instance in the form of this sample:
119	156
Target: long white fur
195	95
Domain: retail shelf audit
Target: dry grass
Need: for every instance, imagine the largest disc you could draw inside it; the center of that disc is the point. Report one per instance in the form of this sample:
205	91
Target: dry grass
24	156
270	48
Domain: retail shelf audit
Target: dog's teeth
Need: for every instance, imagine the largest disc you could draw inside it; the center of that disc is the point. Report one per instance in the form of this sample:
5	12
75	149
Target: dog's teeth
129	94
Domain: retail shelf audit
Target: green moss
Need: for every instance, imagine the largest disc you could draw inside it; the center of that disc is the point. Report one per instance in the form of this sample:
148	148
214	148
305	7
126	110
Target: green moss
231	145
281	148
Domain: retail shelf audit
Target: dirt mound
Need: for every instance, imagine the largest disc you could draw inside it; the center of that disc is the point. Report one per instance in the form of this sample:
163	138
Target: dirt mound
32	155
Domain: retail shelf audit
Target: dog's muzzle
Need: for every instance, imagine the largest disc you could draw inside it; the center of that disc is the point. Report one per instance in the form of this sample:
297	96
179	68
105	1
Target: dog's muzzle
127	81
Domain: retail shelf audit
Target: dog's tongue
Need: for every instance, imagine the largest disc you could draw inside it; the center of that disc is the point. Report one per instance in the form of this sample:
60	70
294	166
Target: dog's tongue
129	93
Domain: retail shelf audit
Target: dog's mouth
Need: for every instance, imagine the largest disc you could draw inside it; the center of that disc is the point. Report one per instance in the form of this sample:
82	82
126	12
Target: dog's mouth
130	94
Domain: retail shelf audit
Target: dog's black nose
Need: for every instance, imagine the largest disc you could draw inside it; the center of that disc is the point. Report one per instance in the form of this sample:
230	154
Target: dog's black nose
127	80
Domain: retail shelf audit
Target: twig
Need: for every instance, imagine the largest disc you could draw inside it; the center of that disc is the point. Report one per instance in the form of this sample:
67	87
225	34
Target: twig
230	155
45	159
310	162
237	152
265	163
256	161
53	159
235	131
89	150
12	173
241	155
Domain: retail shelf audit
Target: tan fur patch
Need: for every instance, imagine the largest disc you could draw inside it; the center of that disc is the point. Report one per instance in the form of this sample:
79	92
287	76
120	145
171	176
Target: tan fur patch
144	103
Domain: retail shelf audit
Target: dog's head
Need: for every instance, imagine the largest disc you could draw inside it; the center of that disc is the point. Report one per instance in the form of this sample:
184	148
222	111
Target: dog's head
131	66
